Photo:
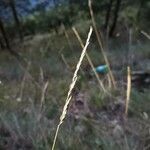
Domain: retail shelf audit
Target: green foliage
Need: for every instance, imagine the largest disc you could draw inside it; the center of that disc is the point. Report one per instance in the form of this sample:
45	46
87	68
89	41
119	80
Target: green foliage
52	19
71	12
129	15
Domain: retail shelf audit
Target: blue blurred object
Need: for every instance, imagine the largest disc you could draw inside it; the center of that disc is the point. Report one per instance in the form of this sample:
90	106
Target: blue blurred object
103	69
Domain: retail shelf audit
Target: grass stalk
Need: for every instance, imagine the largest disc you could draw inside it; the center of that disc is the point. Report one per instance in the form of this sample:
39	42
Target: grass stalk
23	82
69	96
89	60
43	92
43	89
128	92
145	34
100	43
67	37
65	62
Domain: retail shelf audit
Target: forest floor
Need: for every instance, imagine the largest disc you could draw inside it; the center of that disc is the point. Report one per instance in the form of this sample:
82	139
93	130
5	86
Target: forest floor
32	97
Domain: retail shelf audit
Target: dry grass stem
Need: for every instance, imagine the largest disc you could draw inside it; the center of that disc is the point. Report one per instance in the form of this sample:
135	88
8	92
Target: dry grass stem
43	94
44	87
100	43
65	62
109	82
23	63
23	81
89	60
41	76
74	79
68	66
67	37
146	34
128	93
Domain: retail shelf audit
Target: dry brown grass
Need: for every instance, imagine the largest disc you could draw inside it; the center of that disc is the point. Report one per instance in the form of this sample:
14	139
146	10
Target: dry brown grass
100	43
89	60
69	96
128	93
146	34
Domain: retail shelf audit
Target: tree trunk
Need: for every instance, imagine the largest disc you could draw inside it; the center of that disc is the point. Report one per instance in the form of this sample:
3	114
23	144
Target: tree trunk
2	46
116	12
3	32
108	14
16	18
139	11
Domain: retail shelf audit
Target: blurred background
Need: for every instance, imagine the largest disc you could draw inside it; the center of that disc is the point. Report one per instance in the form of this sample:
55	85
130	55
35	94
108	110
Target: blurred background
40	45
28	17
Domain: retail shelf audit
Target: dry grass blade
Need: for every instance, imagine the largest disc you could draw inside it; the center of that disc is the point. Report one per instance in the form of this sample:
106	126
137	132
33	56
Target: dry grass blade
74	79
67	65
89	60
109	81
146	34
128	93
43	89
67	37
65	62
43	94
23	81
100	43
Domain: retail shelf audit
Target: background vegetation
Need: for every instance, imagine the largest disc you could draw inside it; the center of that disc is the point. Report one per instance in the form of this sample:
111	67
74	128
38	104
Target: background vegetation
38	55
